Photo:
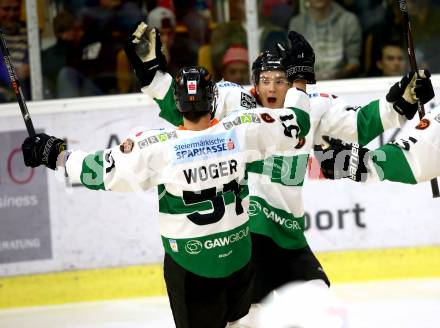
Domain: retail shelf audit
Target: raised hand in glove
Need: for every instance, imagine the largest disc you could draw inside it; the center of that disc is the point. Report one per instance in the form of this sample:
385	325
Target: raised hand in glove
42	149
144	52
413	87
341	160
299	59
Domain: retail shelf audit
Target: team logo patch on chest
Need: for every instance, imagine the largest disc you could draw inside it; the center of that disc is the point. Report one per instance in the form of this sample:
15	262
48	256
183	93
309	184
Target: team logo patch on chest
247	101
160	137
205	147
242	119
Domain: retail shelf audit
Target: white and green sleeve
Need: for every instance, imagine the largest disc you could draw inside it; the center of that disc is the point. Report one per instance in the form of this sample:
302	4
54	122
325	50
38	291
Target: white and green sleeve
161	90
338	119
129	167
413	158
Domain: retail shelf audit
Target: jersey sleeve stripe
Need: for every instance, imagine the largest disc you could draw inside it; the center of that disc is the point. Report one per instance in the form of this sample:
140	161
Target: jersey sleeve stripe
369	123
287	171
168	108
303	121
391	164
92	173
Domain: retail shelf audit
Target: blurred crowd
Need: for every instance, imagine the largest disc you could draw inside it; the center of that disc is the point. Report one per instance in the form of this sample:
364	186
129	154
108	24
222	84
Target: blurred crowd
82	53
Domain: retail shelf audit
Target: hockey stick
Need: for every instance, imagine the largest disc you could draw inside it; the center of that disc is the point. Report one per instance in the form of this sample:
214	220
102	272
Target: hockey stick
15	84
407	34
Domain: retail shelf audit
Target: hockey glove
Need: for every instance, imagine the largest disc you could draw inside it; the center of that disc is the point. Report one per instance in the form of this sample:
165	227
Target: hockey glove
299	59
412	88
423	89
341	160
144	52
42	149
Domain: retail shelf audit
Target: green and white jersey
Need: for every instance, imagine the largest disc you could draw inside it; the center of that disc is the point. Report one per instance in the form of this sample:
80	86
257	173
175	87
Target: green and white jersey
275	185
413	158
203	195
334	117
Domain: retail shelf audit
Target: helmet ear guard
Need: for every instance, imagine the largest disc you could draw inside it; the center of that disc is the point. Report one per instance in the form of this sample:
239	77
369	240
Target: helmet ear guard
194	90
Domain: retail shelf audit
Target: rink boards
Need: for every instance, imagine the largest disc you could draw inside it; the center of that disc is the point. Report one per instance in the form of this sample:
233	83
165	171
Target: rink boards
61	243
146	280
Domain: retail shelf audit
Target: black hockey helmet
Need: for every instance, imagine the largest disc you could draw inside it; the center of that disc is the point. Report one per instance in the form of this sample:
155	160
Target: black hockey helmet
267	61
194	90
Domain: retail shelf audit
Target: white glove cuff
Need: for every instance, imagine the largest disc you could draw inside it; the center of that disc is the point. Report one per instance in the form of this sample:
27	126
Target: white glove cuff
159	87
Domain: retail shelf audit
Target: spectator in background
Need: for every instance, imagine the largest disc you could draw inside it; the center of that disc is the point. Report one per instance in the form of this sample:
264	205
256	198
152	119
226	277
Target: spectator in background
6	94
16	39
336	36
72	6
105	29
279	12
369	12
66	52
425	27
164	20
192	32
235	65
234	33
98	19
179	49
376	37
391	61
191	14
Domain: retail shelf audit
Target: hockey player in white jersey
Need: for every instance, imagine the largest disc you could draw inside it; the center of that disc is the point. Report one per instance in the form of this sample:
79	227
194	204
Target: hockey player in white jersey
280	251
413	158
199	169
272	270
273	77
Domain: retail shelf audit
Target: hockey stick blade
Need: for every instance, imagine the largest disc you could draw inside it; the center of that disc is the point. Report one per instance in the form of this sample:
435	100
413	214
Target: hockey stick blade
413	63
15	85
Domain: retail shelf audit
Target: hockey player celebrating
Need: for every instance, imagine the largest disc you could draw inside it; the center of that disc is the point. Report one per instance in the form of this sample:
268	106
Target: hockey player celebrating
411	159
280	251
199	169
144	52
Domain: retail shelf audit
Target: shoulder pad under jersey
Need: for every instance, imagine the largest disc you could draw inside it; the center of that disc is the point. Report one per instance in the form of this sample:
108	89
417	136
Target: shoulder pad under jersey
320	103
231	97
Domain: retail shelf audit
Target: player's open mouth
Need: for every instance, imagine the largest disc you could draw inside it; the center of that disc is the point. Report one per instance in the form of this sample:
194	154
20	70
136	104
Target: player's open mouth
271	100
